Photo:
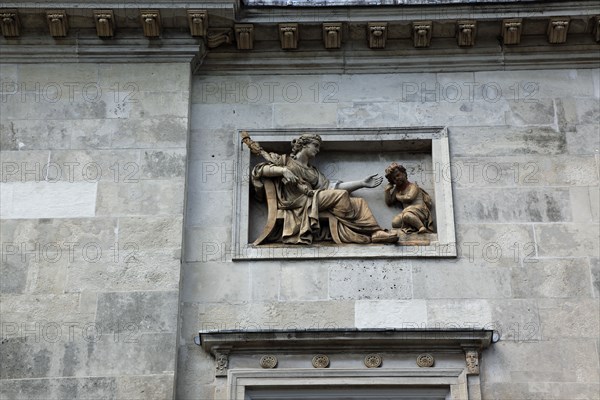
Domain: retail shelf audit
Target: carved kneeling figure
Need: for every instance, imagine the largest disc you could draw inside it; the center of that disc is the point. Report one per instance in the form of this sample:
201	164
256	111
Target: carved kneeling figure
415	202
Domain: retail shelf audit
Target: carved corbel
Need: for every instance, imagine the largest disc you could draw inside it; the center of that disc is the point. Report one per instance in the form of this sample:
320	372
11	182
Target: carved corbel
9	21
472	360
221	361
198	22
217	37
377	32
596	28
465	32
332	35
105	23
244	36
557	29
421	33
151	23
511	30
288	36
57	22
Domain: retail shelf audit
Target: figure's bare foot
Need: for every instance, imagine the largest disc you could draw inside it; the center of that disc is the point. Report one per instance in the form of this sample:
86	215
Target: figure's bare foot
384	237
423	230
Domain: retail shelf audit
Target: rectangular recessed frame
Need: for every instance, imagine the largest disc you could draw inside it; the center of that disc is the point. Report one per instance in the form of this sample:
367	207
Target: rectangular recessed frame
381	141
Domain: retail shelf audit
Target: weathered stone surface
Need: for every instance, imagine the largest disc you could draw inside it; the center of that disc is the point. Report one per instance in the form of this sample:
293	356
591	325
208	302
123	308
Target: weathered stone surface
516	205
34	309
470	313
288	115
140	197
506	141
595	269
581	208
95	165
206	208
168	77
38	236
54	134
154	311
214	282
197	371
48	77
206	243
215	174
216	145
24	166
14	273
232	116
530	86
541	278
151	232
150	132
26	200
574	360
540	390
161	164
461	113
499	244
300	282
367	114
370	280
459	279
594	193
154	387
125	269
391	314
568	318
540	112
567	240
516	320
278	315
59	388
584	140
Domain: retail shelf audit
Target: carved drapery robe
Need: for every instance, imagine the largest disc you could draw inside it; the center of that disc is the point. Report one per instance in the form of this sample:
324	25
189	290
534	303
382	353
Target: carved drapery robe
302	202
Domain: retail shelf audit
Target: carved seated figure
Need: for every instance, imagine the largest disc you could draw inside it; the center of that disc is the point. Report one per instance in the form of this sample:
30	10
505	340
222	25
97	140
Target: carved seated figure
415	202
303	192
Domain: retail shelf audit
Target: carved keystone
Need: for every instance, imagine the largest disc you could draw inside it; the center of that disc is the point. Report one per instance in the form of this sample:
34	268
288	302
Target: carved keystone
198	22
421	33
332	35
244	36
377	32
9	21
105	23
57	22
151	23
465	32
222	362
557	30
511	30
288	36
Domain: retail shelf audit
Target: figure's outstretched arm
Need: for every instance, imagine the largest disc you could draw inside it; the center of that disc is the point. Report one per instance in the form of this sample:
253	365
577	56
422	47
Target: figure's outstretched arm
370	181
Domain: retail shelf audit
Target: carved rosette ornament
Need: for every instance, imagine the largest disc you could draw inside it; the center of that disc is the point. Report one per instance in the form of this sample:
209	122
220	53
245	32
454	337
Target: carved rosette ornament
268	361
151	23
105	23
557	30
9	21
320	361
377	32
332	35
222	363
244	36
421	33
373	361
465	33
198	22
472	359
57	22
425	360
511	30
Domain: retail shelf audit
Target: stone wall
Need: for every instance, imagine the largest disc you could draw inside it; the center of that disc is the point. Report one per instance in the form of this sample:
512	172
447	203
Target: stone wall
525	165
93	176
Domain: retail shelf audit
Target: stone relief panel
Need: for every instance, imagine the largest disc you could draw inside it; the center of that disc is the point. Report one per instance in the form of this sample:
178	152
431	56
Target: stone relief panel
283	173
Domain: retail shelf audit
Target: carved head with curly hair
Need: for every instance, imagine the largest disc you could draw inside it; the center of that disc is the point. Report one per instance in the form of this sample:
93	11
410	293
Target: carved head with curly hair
392	169
304	140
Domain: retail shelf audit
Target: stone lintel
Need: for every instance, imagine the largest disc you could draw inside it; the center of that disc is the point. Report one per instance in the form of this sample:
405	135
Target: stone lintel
344	340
